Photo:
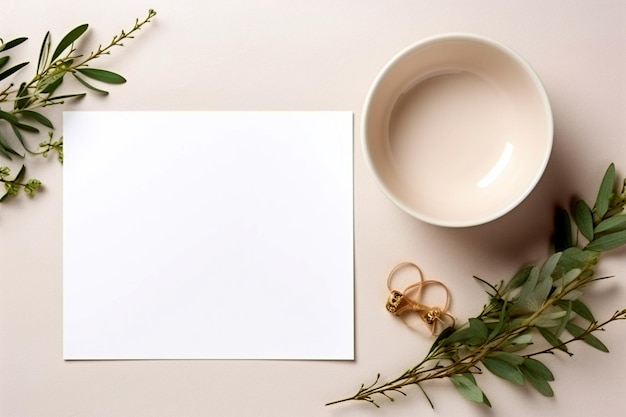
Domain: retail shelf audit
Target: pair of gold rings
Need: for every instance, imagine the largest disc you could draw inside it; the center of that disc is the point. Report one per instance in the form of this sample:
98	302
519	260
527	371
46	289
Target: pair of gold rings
409	300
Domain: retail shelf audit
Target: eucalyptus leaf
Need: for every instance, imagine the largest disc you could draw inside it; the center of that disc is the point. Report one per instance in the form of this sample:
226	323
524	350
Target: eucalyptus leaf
512	359
68	39
572	295
501	322
552	339
523	339
536	289
604	193
50	85
6	149
8	117
20	173
573	258
3	61
91	87
12	44
612	224
23	99
102	75
19	136
608	242
504	370
518	279
588	338
43	53
66	96
549	265
475	333
538	368
38	117
27	128
467	387
571	275
12	70
550	319
538	382
442	336
577	307
583	219
565	319
473	379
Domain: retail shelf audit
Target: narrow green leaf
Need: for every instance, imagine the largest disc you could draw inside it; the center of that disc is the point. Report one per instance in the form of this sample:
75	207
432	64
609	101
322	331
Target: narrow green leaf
102	75
537	381
467	387
471	378
518	279
27	128
19	136
504	370
12	44
565	319
552	339
474	333
575	258
522	339
65	96
8	117
612	224
20	174
12	70
549	265
501	321
550	320
43	53
529	285
562	238
604	193
536	289
23	101
583	219
68	39
91	87
579	308
511	358
590	339
6	149
52	83
608	242
38	117
3	61
538	368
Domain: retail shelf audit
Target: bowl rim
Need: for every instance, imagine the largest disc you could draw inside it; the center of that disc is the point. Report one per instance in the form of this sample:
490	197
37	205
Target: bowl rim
538	86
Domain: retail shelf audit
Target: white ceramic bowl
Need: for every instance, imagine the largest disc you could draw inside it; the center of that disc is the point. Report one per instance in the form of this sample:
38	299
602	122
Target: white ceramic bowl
457	130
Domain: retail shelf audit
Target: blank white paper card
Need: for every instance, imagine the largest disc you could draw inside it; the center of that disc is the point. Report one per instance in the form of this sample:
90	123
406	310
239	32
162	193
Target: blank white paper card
208	235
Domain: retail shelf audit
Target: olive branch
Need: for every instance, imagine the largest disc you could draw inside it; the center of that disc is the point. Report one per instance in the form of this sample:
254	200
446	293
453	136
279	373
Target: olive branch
27	99
538	301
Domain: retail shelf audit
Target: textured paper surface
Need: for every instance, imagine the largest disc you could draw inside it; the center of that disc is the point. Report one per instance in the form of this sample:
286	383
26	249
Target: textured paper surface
218	235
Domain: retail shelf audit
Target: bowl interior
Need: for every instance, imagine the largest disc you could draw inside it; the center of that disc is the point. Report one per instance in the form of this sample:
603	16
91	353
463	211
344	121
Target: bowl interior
457	130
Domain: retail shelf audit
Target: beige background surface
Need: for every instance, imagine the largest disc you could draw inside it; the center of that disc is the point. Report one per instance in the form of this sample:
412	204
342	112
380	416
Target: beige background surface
321	55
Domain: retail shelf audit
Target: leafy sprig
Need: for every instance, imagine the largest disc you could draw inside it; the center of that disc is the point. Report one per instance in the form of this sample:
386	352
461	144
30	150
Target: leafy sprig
537	302
13	186
25	101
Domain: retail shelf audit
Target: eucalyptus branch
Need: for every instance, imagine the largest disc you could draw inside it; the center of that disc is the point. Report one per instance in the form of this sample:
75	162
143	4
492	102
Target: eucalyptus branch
26	101
536	302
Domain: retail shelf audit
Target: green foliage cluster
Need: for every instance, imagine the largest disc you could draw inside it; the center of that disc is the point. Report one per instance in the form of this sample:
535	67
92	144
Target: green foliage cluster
25	101
537	302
